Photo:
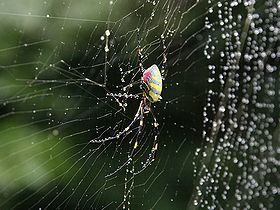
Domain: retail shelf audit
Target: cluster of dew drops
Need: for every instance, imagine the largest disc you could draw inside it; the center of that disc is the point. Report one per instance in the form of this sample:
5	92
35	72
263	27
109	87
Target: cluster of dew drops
237	165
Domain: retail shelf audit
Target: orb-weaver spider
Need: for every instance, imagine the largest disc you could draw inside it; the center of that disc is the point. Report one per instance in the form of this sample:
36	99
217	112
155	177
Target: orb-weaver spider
151	83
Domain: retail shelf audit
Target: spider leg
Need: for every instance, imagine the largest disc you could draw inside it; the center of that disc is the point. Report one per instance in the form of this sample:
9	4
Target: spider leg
155	143
130	85
141	122
145	109
136	117
147	106
126	130
154	149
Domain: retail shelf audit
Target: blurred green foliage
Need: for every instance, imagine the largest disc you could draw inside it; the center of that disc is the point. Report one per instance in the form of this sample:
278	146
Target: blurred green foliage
49	113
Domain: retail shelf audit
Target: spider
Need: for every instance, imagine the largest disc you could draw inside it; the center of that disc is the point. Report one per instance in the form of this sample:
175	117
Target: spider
151	85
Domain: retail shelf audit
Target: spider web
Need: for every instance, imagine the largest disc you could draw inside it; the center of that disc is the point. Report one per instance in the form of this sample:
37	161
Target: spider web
67	75
237	164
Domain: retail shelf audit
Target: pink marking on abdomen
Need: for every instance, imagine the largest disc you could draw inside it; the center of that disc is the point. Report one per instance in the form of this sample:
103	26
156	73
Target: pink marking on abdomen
146	76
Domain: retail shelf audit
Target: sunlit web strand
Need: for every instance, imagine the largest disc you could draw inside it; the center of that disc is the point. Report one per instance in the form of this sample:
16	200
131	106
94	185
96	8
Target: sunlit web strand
56	17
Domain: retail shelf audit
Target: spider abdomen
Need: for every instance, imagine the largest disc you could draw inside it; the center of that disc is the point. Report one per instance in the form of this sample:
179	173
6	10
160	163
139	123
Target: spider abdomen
153	81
